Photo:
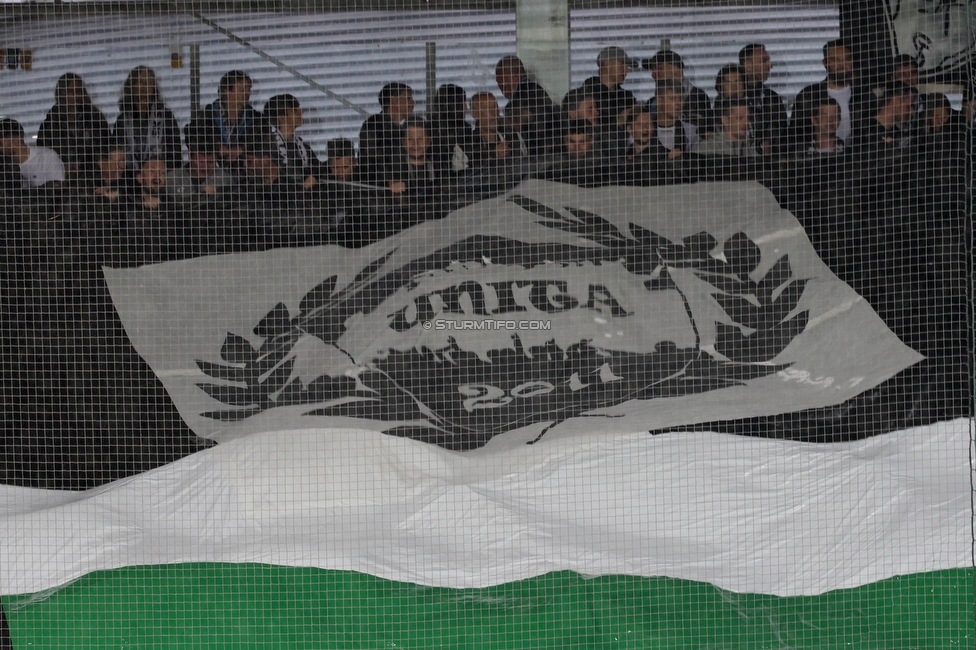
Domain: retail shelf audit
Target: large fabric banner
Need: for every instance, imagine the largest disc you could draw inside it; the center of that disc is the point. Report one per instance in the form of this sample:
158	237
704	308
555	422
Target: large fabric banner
551	311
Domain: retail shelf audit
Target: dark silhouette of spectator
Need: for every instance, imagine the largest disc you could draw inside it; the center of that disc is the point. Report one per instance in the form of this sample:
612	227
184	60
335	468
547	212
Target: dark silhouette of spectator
904	68
667	66
732	139
824	140
610	139
448	130
379	137
578	139
879	137
148	191
674	133
416	174
341	162
643	145
531	117
38	165
486	143
232	114
769	120
613	101
201	179
730	83
74	127
335	195
146	125
298	162
111	171
857	104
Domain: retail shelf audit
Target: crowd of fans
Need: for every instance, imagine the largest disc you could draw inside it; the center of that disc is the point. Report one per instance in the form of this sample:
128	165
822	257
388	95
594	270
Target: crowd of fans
877	177
255	166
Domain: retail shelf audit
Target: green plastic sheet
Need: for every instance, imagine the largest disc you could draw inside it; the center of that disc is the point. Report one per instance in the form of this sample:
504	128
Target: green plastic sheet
260	606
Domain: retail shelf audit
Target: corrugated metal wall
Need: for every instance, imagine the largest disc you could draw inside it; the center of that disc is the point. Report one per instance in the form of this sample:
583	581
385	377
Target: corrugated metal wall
355	53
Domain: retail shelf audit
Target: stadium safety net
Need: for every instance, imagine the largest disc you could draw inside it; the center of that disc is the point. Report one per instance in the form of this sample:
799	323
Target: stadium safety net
448	324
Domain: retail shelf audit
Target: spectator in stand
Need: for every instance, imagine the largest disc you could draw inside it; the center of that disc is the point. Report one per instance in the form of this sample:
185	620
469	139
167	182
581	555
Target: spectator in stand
674	133
268	199
486	142
379	137
824	141
342	163
201	179
74	127
578	140
415	174
449	132
111	169
904	68
944	129
643	145
857	105
729	84
283	114
769	120
38	165
148	196
879	137
531	117
232	114
335	196
609	139
732	139
612	100
667	66
145	124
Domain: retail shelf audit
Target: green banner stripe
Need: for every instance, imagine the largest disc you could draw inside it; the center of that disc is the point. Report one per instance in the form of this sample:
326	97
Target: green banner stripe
261	606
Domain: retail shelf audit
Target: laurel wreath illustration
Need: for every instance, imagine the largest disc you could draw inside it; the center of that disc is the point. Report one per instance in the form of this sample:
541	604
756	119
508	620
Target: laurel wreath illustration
454	398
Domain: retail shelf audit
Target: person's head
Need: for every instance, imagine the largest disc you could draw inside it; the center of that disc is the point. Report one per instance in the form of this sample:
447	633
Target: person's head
484	108
755	63
111	158
261	155
614	64
731	81
152	175
898	102
414	138
342	159
397	101
579	104
666	65
938	110
735	118
640	124
11	135
450	103
826	118
203	142
234	88
70	92
904	68
509	73
669	98
839	62
578	138
140	90
284	112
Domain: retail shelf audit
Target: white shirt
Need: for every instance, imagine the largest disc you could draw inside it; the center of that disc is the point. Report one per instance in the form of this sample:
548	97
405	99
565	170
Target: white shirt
42	166
665	135
843	97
